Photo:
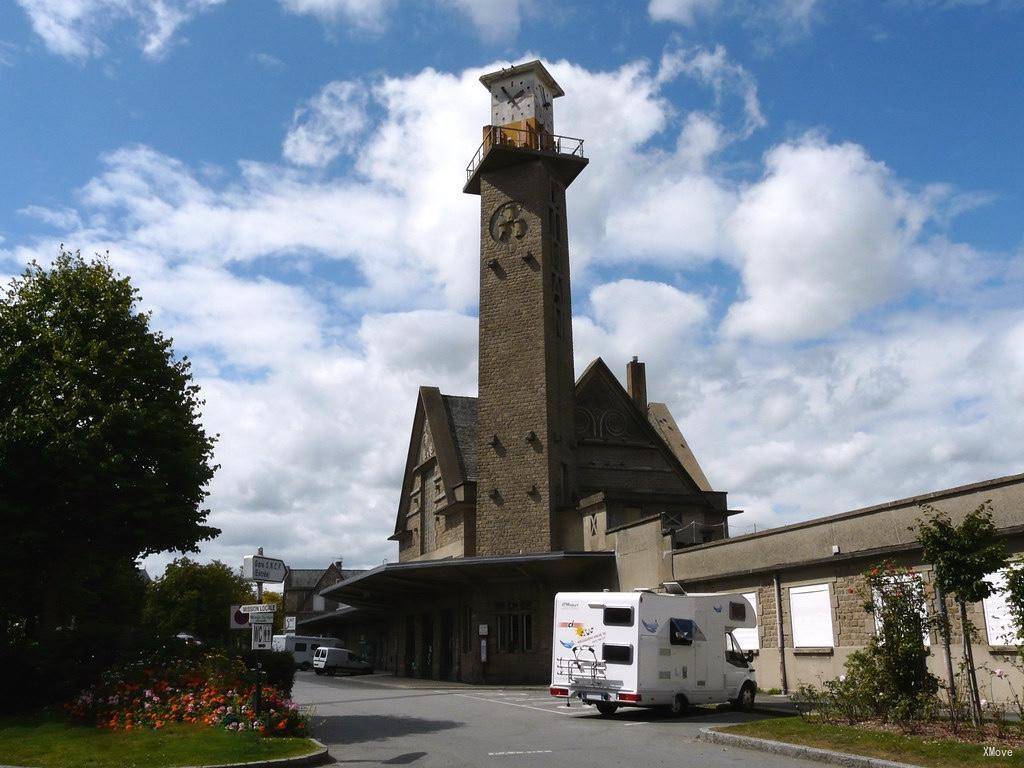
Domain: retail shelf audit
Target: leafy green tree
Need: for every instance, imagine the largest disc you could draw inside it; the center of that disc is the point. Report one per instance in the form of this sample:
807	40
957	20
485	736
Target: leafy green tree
962	556
195	598
103	456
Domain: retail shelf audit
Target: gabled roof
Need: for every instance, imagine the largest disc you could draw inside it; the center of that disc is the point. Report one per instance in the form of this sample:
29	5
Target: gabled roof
598	371
303	578
462	422
449	424
661	419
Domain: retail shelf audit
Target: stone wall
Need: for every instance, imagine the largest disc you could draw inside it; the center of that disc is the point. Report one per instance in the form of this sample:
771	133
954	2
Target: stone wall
526	384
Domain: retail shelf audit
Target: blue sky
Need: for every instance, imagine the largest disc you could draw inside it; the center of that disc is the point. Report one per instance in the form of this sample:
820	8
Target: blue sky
820	200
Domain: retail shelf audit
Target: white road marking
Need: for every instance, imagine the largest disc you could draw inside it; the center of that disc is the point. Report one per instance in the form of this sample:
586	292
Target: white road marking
522	752
514	704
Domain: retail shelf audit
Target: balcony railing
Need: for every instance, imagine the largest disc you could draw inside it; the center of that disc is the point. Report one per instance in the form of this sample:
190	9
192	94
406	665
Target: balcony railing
520	138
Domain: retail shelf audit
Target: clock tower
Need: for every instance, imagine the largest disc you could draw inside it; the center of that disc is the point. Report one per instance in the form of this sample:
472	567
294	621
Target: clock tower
525	429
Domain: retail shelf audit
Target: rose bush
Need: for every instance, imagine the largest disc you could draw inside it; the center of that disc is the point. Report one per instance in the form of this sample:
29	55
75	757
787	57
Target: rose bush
212	690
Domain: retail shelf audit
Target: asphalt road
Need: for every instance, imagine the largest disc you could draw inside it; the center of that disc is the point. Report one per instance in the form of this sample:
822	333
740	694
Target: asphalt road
371	721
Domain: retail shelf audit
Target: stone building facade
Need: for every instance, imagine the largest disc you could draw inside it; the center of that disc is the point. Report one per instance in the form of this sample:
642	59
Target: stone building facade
546	483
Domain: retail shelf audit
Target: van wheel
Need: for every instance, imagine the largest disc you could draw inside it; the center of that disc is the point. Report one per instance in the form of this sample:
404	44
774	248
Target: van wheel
318	671
607	709
678	706
745	703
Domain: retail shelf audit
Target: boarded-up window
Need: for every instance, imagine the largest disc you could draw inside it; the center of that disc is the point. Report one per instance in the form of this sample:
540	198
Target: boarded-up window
748	638
810	611
998	623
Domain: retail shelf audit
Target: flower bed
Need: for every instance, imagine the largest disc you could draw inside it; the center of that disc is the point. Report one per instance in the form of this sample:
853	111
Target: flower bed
213	690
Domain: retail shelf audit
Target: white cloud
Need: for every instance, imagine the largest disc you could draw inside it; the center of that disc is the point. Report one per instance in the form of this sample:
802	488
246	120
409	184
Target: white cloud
820	238
365	14
767	19
684	12
75	28
62	218
493	18
314	301
328	125
267	60
632	317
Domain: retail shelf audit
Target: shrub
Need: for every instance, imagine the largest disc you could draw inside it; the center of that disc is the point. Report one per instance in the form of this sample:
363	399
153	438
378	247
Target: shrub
278	669
212	689
889	678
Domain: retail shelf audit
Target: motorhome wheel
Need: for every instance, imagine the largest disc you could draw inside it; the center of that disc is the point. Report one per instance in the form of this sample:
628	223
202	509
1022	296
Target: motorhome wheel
678	706
606	708
745	703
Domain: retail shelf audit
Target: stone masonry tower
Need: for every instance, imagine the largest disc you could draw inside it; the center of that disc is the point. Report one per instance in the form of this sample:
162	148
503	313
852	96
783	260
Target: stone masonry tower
525	419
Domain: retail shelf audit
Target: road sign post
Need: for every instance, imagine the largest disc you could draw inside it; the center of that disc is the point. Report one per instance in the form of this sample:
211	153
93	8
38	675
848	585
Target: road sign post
261	569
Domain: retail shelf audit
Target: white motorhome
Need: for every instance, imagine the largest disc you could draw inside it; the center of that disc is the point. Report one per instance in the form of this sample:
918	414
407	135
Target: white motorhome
302	647
647	649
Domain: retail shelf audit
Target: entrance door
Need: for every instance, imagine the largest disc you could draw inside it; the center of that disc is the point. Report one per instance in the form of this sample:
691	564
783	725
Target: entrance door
447	645
427	647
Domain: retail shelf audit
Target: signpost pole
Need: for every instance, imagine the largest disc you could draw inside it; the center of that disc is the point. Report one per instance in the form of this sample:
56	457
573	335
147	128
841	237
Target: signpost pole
259	666
258	569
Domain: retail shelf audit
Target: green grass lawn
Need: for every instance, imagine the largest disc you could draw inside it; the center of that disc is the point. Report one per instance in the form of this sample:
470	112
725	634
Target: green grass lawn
934	753
49	742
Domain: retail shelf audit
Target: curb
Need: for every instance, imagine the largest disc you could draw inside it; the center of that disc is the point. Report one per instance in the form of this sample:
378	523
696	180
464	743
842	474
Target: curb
797	750
318	757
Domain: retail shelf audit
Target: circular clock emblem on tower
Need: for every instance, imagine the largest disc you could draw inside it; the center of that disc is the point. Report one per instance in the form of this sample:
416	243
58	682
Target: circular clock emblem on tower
508	222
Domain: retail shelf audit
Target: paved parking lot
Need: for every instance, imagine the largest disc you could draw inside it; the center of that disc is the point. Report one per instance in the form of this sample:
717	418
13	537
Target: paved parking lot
378	721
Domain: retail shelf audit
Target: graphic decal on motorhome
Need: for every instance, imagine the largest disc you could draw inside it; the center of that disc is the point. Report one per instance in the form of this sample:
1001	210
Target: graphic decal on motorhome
651	625
718	609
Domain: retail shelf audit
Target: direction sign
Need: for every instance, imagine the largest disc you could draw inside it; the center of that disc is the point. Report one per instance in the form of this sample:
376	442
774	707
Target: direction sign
262	637
238	620
260	618
258	608
289	623
260	568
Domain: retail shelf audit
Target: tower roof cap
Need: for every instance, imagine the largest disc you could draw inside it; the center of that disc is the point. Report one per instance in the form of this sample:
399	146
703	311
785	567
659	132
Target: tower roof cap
533	67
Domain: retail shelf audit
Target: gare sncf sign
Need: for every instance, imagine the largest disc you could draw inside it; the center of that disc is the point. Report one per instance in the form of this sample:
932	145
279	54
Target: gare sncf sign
260	568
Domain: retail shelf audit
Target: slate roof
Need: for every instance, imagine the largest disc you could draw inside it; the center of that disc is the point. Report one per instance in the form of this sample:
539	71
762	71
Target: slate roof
462	419
303	578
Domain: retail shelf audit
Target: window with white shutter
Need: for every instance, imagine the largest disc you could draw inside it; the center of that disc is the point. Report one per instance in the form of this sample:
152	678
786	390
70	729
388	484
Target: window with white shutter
748	637
998	624
810	611
877	598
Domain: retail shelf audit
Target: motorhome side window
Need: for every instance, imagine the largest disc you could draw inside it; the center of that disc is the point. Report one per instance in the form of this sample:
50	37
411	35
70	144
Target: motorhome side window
737	611
300	647
617	654
681	632
618	617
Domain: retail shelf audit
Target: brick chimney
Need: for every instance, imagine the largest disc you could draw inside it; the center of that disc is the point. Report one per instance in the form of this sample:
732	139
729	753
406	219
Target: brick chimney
636	383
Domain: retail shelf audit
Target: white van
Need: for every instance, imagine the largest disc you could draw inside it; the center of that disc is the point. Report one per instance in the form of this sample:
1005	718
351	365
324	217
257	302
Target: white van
330	661
302	647
647	649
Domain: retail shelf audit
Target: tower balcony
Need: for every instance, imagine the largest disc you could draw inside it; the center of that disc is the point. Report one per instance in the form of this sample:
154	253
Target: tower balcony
505	145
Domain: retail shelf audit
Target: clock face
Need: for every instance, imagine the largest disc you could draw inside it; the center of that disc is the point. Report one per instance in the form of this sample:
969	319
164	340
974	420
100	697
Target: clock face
515	99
